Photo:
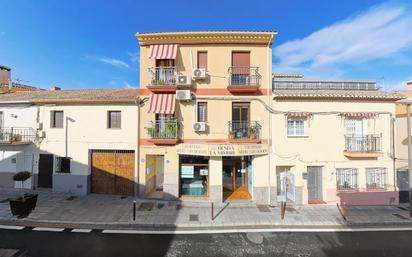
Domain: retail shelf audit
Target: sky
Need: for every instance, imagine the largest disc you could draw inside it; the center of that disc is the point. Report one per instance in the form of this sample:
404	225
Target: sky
91	43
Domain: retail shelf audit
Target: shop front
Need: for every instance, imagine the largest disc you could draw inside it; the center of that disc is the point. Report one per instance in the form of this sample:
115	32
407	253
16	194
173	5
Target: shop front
218	172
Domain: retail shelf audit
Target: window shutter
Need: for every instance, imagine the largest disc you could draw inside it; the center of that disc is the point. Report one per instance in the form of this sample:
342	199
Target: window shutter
202	60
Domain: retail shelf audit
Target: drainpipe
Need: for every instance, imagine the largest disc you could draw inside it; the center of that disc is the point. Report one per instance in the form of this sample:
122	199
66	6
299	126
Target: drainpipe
136	185
269	89
408	117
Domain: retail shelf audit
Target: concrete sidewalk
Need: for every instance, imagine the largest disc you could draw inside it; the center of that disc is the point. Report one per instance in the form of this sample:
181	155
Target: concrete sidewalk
116	212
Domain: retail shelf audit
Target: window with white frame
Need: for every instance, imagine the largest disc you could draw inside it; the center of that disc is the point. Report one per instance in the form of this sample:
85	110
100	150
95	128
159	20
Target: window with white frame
346	179
296	127
376	178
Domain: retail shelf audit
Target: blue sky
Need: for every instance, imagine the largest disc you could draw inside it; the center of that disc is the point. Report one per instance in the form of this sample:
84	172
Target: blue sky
91	44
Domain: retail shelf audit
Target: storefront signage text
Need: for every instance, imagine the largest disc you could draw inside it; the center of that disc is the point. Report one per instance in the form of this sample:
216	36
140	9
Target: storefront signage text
222	150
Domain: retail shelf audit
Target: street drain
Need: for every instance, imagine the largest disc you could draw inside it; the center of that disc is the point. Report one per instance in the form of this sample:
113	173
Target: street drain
263	208
145	207
123	197
193	217
400	216
71	198
160	205
291	209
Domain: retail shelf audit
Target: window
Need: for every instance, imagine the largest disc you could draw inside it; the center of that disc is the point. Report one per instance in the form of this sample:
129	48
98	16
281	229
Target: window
356	127
296	127
202	112
376	178
114	119
194	175
202	60
63	164
56	120
346	179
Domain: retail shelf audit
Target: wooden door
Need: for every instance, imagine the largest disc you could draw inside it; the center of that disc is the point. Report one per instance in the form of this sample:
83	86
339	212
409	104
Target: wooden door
112	172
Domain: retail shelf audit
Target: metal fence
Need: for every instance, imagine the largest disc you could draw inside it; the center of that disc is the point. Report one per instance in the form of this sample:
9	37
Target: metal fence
162	75
245	76
347	179
323	85
163	130
367	143
17	135
244	129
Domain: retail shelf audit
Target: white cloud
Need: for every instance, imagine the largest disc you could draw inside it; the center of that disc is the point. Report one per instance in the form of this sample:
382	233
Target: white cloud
134	57
113	62
397	85
378	33
126	84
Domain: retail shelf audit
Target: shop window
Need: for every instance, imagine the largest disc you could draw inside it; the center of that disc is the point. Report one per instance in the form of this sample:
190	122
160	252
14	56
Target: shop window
194	175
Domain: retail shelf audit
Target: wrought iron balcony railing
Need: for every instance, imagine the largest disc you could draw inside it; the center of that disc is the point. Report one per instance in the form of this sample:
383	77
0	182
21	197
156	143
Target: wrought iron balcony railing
244	76
15	135
366	143
163	130
162	76
243	130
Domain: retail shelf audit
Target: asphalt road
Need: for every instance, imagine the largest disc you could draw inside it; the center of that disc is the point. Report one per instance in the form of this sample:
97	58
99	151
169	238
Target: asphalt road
29	243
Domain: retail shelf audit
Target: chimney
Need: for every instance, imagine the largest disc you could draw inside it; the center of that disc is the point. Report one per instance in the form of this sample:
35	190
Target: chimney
409	85
55	88
5	75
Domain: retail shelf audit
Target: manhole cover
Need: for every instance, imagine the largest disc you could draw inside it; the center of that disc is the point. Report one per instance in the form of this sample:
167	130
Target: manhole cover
193	217
145	207
400	216
71	198
263	208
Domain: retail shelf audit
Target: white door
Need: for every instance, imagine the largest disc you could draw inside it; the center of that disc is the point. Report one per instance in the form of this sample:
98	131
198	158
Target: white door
356	130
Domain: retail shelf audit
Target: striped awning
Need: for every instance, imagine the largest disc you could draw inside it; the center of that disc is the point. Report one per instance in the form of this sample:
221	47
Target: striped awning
162	103
299	114
358	115
162	51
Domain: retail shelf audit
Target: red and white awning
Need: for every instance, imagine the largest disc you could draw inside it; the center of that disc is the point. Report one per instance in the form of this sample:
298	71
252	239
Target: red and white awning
358	115
299	114
162	103
162	51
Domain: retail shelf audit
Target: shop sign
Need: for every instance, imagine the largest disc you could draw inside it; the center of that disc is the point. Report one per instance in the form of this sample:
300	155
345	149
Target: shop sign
203	172
187	171
222	150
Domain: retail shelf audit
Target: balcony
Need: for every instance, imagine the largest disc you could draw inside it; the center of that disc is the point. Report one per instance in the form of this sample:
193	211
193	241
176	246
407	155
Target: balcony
162	79
163	132
17	136
243	80
243	132
367	146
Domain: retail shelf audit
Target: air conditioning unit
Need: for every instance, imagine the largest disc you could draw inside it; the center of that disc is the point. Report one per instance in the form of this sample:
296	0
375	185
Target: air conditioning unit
199	73
199	126
184	80
183	95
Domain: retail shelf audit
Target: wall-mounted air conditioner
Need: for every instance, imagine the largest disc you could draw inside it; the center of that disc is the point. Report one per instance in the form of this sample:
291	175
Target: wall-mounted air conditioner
184	80
199	126
199	73
183	95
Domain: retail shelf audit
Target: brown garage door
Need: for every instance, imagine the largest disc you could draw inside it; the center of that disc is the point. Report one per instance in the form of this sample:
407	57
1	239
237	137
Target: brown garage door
112	172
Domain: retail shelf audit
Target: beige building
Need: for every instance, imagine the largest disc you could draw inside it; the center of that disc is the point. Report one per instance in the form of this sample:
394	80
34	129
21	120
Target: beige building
204	127
334	141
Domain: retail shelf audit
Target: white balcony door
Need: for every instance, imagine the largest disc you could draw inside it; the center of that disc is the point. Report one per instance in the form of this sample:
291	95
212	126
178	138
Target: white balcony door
356	129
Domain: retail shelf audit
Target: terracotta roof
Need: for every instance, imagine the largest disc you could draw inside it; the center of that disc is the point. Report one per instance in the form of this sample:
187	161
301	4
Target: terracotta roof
354	94
120	95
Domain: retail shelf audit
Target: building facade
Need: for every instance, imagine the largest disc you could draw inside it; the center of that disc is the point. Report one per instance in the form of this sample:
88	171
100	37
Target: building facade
204	128
334	142
81	141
